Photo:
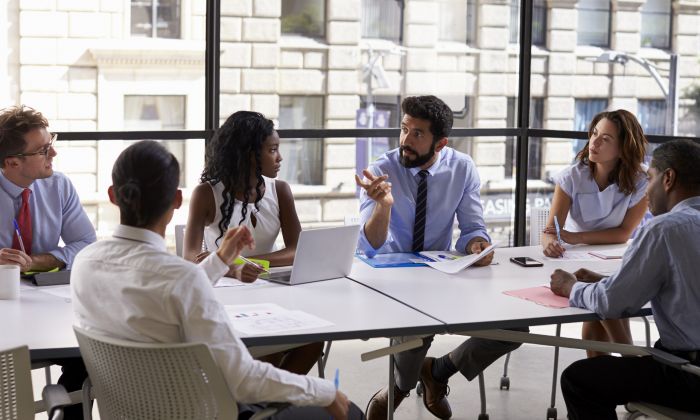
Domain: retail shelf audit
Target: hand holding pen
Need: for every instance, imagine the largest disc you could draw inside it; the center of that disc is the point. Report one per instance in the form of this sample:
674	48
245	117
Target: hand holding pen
340	406
16	256
553	248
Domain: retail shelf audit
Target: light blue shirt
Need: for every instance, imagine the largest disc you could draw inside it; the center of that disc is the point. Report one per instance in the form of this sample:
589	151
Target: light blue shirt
453	190
659	266
592	209
56	214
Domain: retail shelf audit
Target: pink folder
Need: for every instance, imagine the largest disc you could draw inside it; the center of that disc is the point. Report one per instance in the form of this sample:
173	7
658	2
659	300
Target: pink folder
541	295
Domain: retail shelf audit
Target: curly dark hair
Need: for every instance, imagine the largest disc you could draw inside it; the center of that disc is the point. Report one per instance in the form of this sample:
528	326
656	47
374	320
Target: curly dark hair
683	156
632	148
433	109
228	160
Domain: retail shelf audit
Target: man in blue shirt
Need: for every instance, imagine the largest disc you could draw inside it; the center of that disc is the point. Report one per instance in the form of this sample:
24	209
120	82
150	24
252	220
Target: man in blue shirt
410	197
659	266
46	208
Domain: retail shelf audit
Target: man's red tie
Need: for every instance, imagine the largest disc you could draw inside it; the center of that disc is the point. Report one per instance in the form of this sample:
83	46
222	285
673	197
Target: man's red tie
24	221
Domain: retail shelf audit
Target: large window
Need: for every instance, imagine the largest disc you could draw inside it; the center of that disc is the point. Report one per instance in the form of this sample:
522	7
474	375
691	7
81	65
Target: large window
155	18
303	158
303	17
539	22
593	22
656	24
652	115
381	19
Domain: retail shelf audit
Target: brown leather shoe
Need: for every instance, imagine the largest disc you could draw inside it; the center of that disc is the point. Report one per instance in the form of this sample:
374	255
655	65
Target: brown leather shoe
378	405
434	392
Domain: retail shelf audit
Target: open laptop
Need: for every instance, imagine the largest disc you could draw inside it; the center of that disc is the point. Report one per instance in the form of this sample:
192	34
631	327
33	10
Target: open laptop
322	254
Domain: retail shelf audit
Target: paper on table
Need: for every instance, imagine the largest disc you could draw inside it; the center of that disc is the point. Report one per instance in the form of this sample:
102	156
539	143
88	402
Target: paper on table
574	256
455	266
609	254
541	295
231	282
268	318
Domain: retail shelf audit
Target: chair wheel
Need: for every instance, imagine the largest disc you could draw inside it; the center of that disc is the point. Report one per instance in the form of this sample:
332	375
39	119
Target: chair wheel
551	413
419	389
505	383
483	416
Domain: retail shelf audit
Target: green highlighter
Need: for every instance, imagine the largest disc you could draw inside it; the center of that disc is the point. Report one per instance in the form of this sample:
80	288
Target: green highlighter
265	264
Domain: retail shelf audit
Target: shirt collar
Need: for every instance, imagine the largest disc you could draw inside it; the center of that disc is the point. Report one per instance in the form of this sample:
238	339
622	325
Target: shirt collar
140	235
12	189
433	168
692	202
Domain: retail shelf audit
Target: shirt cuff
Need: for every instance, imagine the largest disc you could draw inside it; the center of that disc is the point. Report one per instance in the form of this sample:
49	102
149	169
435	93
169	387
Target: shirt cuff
214	267
576	295
60	255
326	392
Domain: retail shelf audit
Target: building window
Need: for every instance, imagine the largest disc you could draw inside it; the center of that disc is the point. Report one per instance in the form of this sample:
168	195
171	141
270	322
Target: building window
534	150
463	115
381	19
303	158
593	22
155	18
585	110
304	17
652	115
457	21
154	113
656	24
539	22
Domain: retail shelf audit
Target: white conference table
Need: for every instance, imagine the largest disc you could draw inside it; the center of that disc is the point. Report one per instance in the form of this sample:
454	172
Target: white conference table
43	321
473	299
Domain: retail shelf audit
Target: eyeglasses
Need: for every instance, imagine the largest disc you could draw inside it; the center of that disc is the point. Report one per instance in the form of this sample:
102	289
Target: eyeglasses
44	151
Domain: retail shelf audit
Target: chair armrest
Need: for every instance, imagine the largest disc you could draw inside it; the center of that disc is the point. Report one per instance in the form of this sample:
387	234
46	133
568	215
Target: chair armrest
667	358
55	398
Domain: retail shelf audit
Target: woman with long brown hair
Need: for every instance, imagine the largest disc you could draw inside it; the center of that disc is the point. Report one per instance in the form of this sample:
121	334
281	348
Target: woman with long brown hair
600	200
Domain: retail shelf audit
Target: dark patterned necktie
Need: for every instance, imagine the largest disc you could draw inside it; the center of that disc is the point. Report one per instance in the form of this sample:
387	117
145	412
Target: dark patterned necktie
421	204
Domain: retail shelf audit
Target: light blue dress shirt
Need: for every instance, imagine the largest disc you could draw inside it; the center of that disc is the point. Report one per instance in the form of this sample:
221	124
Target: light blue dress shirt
592	209
659	266
56	214
453	190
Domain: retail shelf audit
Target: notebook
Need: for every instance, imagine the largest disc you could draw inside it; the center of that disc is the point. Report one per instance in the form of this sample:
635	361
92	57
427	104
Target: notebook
49	278
322	254
609	254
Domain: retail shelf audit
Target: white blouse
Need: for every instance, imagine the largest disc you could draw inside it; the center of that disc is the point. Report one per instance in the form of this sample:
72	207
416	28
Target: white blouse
267	218
129	287
592	209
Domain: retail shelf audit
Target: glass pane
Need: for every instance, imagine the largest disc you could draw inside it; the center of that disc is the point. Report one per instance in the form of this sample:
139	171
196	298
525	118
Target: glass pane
303	17
453	20
64	48
539	22
593	22
652	115
88	164
381	19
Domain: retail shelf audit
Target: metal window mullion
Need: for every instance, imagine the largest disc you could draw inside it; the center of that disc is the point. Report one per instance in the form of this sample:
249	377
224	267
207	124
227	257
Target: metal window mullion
212	70
523	115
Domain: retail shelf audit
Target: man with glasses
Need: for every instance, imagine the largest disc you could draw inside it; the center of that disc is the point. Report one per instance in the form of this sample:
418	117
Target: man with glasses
39	208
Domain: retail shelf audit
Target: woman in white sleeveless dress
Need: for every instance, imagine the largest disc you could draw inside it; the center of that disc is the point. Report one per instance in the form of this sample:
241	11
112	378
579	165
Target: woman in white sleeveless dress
238	189
601	200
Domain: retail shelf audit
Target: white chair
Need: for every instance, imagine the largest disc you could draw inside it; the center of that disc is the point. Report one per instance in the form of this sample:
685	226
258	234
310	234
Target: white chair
16	395
538	221
167	381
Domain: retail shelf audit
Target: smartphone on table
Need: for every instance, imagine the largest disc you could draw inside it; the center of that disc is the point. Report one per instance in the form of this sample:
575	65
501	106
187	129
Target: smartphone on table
526	261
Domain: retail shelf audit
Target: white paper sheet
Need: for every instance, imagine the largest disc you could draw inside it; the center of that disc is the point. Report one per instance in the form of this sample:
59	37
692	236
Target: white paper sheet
231	282
570	255
459	264
268	318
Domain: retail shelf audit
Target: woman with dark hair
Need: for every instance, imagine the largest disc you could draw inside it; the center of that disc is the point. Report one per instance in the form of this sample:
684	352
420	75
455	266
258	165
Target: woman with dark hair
600	200
238	189
129	287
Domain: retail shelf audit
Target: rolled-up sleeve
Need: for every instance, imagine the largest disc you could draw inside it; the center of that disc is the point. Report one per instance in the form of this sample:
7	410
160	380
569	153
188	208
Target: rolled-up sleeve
470	212
640	278
366	208
76	230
